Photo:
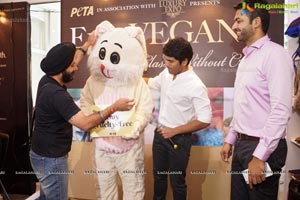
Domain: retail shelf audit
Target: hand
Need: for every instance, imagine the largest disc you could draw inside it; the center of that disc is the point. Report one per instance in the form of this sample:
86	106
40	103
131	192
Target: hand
256	171
167	132
135	133
226	152
92	39
123	104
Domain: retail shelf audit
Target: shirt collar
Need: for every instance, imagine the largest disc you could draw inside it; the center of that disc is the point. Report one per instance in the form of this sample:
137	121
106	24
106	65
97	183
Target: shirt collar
185	72
256	45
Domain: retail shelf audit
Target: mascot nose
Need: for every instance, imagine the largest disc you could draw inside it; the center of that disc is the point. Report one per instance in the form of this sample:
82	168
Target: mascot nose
105	72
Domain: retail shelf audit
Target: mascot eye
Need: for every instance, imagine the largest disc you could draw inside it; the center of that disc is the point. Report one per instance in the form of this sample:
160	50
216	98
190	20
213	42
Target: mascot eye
115	58
102	53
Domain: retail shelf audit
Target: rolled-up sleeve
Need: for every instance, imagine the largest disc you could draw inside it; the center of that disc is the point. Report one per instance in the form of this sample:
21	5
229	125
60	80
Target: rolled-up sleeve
201	104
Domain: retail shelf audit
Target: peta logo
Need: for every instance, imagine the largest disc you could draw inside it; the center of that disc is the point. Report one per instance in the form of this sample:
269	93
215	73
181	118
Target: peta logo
2	54
82	11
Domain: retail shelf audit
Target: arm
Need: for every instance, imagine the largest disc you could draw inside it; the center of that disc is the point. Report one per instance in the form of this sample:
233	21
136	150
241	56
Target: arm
226	152
144	107
279	77
278	73
191	127
201	105
186	128
80	52
156	82
85	123
86	97
85	119
230	139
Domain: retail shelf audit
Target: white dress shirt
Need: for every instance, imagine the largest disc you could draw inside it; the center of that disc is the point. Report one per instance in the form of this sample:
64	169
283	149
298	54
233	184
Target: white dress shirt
182	100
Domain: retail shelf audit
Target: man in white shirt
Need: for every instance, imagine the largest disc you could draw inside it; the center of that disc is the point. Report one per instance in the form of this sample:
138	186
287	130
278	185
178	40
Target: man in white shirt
184	108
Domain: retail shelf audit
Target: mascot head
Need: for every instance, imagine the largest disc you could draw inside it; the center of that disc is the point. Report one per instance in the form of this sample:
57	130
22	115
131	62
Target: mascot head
119	56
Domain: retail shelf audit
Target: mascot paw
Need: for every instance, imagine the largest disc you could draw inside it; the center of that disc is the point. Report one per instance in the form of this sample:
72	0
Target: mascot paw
135	133
131	137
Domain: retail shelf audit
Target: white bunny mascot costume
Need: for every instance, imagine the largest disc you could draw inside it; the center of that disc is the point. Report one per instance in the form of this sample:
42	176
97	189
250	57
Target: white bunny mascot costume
117	62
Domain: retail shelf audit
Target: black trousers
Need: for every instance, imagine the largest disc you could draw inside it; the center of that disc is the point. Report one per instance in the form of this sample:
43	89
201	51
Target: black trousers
268	189
170	161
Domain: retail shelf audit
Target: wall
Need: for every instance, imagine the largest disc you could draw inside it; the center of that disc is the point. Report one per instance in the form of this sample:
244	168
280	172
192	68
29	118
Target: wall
293	130
45	23
15	101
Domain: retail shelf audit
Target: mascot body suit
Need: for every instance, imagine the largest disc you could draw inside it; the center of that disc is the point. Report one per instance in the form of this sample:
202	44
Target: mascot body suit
117	62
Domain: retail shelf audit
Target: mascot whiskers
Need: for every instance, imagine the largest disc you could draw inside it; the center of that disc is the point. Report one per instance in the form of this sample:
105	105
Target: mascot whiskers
116	63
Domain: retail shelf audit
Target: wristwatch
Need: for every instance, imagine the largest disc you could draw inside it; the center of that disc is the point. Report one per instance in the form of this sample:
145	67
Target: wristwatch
101	116
82	50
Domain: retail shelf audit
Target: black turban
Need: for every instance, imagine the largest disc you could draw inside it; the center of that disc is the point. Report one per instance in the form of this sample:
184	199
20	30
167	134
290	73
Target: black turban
58	58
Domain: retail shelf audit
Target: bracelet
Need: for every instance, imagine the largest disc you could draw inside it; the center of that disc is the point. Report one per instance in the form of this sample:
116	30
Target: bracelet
101	116
82	50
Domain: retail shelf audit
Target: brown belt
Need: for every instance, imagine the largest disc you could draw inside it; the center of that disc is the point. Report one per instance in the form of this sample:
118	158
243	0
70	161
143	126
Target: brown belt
242	136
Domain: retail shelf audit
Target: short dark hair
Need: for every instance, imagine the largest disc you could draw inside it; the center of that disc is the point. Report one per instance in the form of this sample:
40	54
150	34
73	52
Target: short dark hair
179	48
263	14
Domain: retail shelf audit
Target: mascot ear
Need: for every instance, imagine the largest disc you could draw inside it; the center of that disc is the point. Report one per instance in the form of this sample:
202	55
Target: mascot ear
137	32
103	27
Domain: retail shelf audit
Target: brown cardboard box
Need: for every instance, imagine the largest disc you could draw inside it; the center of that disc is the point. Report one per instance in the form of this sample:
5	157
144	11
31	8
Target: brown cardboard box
82	182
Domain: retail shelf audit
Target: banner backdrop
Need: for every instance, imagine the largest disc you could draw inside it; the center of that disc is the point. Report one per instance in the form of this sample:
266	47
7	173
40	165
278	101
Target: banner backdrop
206	24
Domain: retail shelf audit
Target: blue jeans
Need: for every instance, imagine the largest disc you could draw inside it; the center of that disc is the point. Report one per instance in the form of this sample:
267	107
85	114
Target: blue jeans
170	161
52	174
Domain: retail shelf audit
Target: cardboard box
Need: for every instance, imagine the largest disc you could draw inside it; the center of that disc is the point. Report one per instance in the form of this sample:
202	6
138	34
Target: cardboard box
82	183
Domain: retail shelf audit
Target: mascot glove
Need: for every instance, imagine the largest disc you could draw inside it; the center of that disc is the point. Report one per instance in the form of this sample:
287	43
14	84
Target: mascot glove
135	133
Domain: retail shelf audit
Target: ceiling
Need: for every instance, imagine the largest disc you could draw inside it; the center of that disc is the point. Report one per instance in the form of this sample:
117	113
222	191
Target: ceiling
30	1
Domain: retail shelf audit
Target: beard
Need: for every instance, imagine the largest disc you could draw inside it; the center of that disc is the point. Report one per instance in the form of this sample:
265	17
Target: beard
242	37
245	33
67	76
